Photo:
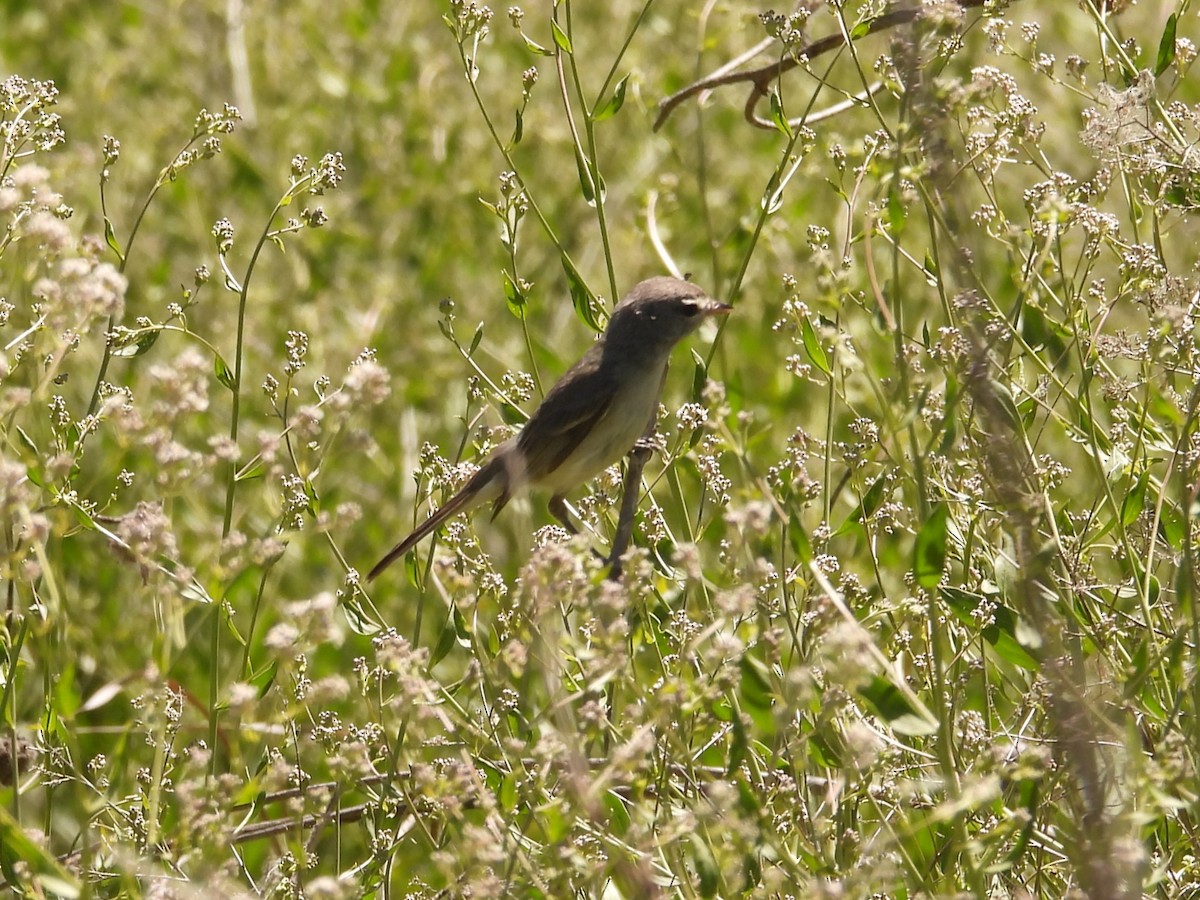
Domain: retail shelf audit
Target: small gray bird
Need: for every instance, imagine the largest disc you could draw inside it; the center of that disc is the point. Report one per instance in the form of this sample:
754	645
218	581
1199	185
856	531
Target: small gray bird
593	415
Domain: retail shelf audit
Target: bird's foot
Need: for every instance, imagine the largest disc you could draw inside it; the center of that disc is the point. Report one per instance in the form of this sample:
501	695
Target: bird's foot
646	445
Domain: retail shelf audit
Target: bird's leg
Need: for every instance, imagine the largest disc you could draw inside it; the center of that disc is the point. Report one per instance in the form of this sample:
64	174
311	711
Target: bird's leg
558	509
629	496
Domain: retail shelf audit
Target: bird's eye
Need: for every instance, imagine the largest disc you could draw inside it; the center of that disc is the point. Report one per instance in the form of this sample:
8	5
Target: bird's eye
690	309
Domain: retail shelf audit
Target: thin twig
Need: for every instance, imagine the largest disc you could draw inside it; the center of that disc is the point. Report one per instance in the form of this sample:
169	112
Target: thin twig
763	77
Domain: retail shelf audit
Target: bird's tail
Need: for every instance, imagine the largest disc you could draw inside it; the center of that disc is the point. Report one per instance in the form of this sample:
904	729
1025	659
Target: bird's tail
485	484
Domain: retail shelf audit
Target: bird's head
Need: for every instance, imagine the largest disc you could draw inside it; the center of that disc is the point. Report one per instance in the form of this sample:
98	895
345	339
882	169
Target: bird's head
660	312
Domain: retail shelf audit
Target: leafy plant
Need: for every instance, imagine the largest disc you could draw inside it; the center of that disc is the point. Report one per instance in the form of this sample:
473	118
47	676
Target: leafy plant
912	605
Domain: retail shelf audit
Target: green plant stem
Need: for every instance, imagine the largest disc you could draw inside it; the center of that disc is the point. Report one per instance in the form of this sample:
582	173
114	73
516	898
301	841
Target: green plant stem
590	161
620	54
214	637
238	363
8	700
506	153
123	256
767	205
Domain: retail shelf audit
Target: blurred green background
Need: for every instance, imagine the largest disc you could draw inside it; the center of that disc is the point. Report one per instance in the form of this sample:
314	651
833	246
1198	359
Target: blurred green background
383	84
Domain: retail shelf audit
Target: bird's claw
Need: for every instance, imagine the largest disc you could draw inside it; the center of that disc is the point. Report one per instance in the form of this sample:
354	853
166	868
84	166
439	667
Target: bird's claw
644	447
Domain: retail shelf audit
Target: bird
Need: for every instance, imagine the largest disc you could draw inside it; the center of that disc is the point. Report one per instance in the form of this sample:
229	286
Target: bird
593	415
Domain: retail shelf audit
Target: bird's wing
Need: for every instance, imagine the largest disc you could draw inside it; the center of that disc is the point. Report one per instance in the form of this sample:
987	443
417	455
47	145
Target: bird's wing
566	416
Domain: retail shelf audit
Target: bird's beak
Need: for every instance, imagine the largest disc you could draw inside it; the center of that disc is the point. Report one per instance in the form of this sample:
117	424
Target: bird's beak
717	308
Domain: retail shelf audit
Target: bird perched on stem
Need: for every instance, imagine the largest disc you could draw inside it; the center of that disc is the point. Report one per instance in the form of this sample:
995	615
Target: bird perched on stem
593	415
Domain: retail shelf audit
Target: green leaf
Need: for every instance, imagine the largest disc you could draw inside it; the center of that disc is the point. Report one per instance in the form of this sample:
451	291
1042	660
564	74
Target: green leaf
614	103
41	872
83	518
757	698
310	491
231	627
265	677
722	710
798	538
1028	409
34	471
1183	193
699	376
581	298
560	38
591	183
110	238
357	618
242	590
871	501
921	840
1042	332
618	815
194	592
1027	793
507	795
513	297
534	47
862	29
27	441
518	128
410	569
1007	635
707	872
511	414
738	745
255	471
949	424
462	631
1135	501
137	347
778	116
751	871
1155	697
1170	526
891	705
931	269
929	554
822	752
1007	405
445	643
475	339
756	683
221	368
556	824
812	346
1166	46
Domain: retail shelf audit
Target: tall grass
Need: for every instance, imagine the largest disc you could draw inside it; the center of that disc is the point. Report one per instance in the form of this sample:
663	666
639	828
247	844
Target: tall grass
912	607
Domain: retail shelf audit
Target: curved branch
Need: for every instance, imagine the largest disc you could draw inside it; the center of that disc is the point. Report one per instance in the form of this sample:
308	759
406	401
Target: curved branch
762	78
